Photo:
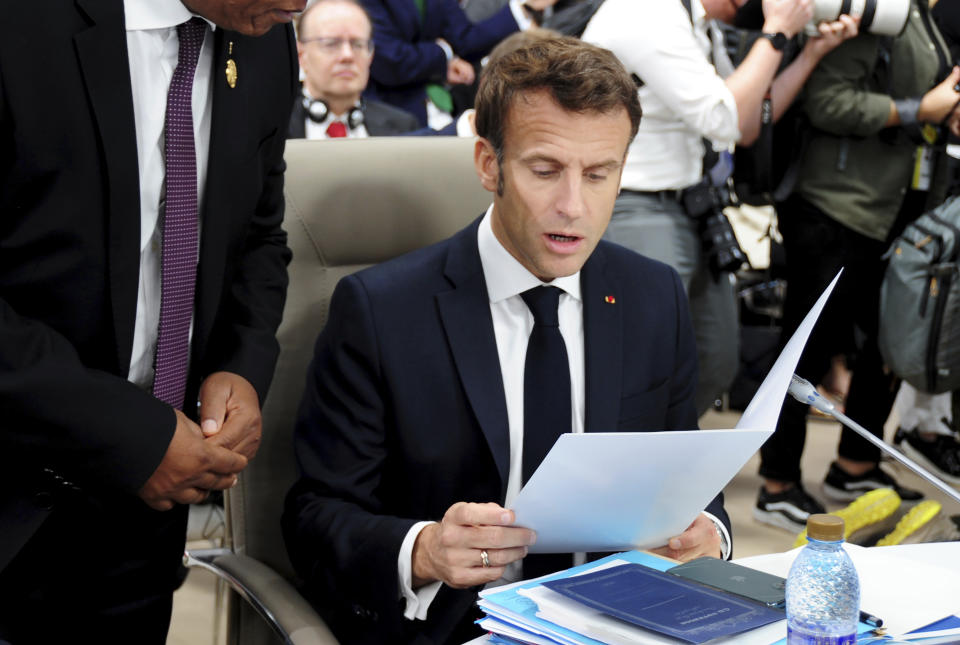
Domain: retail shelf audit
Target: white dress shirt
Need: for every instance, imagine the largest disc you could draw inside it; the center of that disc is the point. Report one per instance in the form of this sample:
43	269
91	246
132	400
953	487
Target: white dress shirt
506	279
314	130
683	98
152	46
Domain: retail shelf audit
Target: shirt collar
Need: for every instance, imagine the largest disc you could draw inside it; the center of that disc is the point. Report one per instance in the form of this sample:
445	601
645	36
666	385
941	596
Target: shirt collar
331	117
156	14
504	275
698	15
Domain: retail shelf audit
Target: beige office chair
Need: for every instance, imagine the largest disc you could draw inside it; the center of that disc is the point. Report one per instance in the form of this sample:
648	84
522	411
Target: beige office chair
349	204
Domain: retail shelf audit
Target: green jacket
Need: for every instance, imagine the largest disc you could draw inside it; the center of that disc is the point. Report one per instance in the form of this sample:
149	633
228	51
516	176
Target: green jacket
855	170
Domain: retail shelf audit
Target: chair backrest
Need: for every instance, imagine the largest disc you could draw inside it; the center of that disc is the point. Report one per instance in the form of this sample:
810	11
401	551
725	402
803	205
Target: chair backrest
349	204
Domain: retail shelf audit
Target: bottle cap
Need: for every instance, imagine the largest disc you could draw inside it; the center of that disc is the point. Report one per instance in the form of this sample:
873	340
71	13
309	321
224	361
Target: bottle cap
826	528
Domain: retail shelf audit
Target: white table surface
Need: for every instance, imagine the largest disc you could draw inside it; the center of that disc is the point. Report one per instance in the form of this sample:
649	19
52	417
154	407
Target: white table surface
943	555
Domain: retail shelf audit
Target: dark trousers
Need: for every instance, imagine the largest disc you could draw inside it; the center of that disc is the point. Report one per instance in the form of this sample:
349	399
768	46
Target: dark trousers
99	571
817	247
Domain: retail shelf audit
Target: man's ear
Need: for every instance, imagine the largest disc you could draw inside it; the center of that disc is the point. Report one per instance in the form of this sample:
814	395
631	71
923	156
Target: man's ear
485	161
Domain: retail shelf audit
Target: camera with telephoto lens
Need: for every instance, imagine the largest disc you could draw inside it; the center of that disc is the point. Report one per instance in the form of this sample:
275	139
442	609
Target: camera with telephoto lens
879	17
705	203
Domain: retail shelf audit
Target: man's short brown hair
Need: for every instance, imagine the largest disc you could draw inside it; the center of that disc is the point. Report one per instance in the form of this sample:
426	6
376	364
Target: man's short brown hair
580	77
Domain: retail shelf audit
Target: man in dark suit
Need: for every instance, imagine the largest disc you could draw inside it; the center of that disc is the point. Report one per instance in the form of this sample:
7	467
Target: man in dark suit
335	49
142	278
442	378
423	45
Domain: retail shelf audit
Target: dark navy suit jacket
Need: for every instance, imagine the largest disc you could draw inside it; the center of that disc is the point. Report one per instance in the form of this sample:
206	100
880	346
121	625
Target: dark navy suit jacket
70	252
380	120
404	414
407	57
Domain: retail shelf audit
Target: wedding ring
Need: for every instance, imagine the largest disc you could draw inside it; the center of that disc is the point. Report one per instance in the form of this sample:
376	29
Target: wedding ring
484	558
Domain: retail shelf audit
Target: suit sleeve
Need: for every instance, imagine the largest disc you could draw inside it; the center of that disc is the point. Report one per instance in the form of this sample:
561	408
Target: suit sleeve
244	337
337	536
87	425
91	427
402	57
473	41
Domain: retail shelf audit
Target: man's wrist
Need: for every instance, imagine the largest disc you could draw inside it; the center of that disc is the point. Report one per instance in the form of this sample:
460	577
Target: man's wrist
421	571
777	39
720	527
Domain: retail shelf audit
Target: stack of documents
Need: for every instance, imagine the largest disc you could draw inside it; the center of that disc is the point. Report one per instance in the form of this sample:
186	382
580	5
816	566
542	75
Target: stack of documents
624	598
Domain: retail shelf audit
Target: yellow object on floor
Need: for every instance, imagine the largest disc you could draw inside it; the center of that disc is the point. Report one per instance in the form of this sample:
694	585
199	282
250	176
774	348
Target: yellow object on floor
868	510
914	526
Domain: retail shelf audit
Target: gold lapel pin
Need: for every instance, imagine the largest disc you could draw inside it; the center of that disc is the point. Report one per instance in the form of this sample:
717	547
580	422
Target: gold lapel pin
231	70
610	300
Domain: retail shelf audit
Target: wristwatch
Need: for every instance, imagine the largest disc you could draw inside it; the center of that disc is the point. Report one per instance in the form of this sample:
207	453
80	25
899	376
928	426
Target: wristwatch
778	40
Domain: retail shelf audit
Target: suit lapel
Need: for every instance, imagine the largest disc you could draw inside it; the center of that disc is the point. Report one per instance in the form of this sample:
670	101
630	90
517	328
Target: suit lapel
229	141
298	123
603	344
465	312
374	120
102	55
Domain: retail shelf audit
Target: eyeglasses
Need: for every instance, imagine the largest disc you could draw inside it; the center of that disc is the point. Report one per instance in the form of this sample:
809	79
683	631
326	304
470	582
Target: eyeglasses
333	45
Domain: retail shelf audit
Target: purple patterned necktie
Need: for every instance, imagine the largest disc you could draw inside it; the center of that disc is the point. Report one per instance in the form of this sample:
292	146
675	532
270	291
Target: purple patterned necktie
178	260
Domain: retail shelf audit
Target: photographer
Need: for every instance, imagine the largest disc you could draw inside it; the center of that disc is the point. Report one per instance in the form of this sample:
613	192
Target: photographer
879	108
661	211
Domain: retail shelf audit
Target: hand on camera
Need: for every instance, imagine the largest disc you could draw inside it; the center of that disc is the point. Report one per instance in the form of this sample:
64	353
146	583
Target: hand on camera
941	102
832	34
953	122
787	16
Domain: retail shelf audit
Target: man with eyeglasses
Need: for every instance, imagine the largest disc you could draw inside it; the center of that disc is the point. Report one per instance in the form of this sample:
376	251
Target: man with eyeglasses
335	49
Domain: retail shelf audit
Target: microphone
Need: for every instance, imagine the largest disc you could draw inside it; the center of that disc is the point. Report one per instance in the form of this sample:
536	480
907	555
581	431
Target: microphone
804	391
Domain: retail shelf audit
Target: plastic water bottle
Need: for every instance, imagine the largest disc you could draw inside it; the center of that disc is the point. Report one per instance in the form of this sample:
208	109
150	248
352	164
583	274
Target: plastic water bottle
823	590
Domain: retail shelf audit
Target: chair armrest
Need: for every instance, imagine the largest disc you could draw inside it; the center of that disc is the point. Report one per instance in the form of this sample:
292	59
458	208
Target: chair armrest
270	594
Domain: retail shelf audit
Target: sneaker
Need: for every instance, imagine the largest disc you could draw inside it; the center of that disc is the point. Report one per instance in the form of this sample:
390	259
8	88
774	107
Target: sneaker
843	487
870	514
940	455
787	510
924	523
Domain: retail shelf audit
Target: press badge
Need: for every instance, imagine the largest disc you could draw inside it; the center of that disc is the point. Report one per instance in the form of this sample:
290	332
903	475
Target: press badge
923	160
922	168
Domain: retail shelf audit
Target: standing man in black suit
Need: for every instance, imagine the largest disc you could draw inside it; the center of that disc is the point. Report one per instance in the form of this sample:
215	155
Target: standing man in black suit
142	278
442	378
335	49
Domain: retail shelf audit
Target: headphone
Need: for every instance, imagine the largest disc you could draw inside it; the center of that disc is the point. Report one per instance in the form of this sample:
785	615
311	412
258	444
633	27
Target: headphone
318	110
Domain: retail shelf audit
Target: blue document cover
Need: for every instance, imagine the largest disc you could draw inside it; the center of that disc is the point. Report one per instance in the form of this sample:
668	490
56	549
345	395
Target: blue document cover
665	604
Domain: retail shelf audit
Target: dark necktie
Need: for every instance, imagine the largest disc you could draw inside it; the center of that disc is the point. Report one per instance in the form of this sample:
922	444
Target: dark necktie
336	130
546	379
546	401
178	259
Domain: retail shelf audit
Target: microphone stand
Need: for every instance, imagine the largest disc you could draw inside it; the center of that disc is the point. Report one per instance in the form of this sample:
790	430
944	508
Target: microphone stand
802	390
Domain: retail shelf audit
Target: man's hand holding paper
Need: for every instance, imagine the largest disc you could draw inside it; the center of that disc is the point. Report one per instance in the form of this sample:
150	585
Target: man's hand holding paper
699	539
471	546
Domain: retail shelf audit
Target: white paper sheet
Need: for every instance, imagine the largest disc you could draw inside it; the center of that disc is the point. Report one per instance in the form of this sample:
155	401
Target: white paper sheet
905	592
624	490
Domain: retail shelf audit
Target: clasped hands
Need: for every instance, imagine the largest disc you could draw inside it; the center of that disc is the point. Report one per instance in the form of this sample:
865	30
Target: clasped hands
206	457
452	550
